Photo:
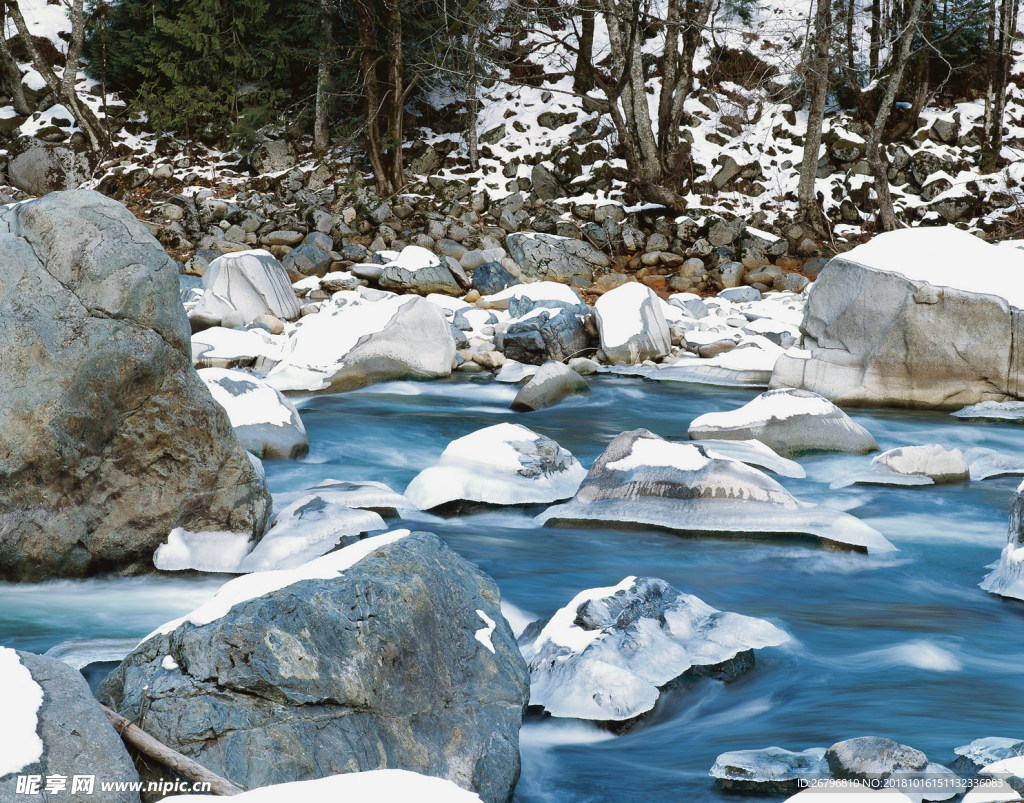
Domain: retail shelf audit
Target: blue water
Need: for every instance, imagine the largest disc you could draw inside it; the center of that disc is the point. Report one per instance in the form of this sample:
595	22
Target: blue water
904	645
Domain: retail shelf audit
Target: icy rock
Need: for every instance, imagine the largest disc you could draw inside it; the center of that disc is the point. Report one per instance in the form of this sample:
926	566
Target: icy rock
632	325
791	422
366	658
988	463
1007	576
265	422
547	293
912	466
982	752
607	655
215	551
309	527
80	652
505	464
768	770
514	372
642	479
553	382
900	321
399	337
380	785
993	411
253	283
755	453
365	495
417	270
218	347
749	365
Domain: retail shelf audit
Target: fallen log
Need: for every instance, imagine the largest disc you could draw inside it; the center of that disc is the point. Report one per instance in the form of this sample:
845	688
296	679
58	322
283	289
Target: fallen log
136	738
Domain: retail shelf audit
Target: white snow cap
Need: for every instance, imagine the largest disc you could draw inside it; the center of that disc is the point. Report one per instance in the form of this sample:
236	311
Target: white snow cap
250	586
946	257
20	697
357	787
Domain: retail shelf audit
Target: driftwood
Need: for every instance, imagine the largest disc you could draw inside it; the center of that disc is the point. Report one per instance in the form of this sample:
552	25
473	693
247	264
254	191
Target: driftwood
138	739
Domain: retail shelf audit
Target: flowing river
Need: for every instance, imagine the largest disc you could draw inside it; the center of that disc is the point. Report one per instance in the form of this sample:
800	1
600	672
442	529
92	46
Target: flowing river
904	645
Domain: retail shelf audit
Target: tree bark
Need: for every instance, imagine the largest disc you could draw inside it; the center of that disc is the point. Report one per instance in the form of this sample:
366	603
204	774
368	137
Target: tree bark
64	86
321	133
875	154
583	74
139	740
818	73
11	72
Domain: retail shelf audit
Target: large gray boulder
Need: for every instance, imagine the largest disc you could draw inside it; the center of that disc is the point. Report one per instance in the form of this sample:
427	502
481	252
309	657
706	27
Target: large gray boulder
914	318
53	726
792	422
554	258
390	653
252	282
110	438
43	167
341	348
686	487
882	762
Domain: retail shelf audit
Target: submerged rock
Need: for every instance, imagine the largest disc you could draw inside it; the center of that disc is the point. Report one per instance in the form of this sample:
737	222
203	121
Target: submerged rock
399	337
505	464
553	382
1011	411
265	422
792	422
900	321
389	654
110	438
642	479
54	726
607	655
876	760
988	463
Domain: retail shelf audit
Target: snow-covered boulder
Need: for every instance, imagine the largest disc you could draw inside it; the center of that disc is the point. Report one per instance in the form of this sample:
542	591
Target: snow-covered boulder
391	653
399	337
52	725
265	422
926	317
930	464
607	654
553	382
685	487
543	293
980	753
749	365
992	411
1007	576
791	422
554	258
417	270
309	527
769	770
504	464
365	495
755	453
219	347
253	283
632	325
379	785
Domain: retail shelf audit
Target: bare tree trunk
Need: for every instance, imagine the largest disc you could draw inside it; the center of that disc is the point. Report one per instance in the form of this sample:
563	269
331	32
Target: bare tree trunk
321	134
366	24
818	73
473	101
394	101
875	44
583	78
64	86
11	72
875	154
1001	27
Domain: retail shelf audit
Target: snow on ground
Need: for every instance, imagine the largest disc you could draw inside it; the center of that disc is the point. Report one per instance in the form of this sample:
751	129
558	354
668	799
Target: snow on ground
21	698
